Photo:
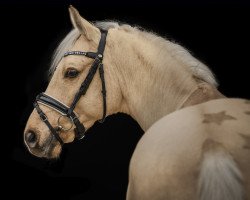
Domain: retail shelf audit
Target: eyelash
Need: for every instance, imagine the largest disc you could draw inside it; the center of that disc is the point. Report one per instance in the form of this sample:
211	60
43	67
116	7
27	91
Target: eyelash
71	73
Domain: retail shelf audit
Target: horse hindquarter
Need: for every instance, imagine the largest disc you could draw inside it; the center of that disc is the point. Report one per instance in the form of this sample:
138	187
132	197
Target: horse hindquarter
200	152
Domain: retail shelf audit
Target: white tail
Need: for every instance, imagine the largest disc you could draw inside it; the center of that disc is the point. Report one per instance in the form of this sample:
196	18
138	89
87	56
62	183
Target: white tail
220	178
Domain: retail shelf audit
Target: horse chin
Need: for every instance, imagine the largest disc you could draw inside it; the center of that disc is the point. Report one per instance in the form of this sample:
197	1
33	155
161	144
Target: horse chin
53	151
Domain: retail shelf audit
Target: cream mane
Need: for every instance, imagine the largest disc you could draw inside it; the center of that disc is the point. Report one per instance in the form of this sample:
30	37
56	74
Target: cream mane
197	68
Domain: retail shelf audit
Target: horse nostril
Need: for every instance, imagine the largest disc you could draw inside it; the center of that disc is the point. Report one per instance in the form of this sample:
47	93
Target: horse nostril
31	138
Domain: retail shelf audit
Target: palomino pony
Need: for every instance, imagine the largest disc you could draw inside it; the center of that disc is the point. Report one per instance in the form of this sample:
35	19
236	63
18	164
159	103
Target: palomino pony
196	143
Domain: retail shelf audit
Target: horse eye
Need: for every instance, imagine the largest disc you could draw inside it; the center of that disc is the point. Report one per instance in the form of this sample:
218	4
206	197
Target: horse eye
71	73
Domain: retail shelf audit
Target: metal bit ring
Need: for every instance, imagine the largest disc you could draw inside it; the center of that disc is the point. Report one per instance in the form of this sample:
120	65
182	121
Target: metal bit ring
61	125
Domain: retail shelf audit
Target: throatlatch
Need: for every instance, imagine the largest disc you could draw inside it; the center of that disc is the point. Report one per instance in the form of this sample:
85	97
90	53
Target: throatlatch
66	111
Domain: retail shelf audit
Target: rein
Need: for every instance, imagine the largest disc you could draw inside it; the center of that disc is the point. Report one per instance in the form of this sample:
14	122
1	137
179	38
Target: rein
66	111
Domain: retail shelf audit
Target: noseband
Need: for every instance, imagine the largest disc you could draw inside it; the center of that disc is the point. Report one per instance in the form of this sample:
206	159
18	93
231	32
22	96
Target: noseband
68	112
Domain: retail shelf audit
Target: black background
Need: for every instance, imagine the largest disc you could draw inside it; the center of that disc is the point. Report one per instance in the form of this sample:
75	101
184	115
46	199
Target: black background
216	32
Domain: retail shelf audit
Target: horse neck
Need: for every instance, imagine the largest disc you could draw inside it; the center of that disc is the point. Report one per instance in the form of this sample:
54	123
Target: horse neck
152	82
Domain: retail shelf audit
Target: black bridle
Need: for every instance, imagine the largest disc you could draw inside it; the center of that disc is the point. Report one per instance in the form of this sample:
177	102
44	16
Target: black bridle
66	111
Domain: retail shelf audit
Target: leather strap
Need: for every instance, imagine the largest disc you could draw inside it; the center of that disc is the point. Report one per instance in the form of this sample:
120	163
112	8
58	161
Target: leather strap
52	102
44	118
101	72
85	85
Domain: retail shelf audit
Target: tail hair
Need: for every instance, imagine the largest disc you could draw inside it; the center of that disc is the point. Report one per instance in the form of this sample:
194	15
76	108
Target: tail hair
220	178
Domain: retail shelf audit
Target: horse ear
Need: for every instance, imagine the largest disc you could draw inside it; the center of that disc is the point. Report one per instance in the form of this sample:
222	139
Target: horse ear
85	28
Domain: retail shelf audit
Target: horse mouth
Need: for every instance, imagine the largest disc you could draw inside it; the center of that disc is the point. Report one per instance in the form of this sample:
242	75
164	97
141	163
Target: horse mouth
50	149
